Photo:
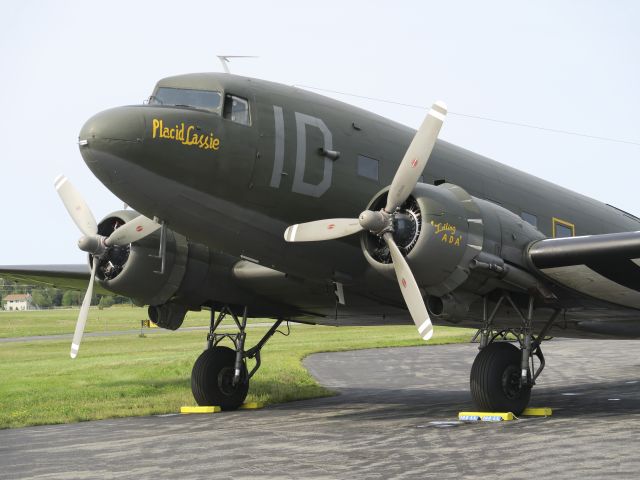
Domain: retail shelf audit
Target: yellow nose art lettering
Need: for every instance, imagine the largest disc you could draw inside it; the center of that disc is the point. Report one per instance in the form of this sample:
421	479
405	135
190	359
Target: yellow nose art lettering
184	134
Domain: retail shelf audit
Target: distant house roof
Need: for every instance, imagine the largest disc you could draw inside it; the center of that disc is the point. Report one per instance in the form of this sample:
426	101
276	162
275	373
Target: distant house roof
17	297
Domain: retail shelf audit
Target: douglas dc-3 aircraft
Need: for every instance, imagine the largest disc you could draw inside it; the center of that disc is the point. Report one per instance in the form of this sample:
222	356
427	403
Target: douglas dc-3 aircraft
231	177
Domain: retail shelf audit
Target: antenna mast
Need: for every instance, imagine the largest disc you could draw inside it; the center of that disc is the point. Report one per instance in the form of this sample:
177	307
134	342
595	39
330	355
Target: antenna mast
224	59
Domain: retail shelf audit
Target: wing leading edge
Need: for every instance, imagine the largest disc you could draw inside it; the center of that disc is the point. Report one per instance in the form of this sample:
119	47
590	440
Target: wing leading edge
606	266
73	277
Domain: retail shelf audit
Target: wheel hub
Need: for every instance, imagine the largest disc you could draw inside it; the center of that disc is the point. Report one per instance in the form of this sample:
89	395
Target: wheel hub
511	385
225	381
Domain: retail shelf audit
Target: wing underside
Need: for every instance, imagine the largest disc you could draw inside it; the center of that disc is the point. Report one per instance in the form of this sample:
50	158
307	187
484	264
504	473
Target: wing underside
606	267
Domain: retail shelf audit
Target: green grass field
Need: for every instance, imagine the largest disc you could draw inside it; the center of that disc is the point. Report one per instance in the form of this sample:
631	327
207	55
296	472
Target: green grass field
54	322
128	375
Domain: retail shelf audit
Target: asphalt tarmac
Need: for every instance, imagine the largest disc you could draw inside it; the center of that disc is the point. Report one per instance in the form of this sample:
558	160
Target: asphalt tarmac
395	417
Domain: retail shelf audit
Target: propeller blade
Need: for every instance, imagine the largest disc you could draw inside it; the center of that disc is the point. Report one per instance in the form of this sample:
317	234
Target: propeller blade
322	230
84	312
410	290
76	206
132	231
415	159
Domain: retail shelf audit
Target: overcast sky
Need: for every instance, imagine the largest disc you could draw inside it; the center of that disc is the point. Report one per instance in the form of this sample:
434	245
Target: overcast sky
568	65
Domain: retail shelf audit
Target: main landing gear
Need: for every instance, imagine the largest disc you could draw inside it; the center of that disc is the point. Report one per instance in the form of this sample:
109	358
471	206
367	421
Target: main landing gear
503	374
220	376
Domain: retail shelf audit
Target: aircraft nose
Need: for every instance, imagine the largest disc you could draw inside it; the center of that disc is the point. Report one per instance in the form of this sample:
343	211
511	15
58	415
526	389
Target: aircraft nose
125	124
111	141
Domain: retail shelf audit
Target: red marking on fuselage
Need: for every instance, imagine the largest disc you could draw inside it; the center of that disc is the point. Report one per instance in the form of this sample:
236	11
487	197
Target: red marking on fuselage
414	163
331	226
139	228
404	283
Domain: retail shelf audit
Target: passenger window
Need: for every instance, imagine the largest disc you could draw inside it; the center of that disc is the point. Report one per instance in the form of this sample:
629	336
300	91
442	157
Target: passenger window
562	229
368	167
236	109
530	218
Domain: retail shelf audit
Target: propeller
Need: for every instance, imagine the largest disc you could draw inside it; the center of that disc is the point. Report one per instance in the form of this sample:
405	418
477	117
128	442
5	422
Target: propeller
94	244
84	312
322	230
380	223
76	206
132	231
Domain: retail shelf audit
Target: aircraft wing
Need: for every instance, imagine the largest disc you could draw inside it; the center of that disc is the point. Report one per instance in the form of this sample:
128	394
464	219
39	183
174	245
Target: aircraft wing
606	267
74	277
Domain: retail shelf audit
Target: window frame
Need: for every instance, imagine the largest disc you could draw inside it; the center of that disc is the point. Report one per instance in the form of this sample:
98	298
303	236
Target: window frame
557	221
231	96
217	110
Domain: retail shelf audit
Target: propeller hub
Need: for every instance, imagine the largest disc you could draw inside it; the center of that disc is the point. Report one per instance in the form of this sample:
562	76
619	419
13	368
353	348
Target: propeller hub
93	244
377	223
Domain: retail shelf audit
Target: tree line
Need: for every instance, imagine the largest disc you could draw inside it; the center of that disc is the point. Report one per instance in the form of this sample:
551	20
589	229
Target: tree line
49	297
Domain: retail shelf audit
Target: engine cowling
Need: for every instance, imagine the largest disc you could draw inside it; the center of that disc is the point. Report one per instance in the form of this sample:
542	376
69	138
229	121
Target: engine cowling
439	231
134	271
125	270
454	242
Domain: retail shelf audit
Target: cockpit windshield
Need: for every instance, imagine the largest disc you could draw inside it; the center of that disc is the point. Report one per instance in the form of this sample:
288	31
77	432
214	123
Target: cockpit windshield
206	99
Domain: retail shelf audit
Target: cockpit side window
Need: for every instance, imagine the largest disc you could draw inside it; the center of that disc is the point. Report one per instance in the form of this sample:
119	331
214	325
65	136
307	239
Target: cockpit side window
205	99
236	109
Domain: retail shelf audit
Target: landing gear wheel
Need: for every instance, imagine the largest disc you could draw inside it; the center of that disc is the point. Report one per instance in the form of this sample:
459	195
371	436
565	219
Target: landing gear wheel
495	379
212	379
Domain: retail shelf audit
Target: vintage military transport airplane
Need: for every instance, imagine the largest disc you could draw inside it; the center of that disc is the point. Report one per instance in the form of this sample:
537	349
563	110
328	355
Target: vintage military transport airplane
231	168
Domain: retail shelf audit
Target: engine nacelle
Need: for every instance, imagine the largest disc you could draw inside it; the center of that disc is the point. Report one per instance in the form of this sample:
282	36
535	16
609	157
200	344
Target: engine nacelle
442	230
133	271
195	276
439	230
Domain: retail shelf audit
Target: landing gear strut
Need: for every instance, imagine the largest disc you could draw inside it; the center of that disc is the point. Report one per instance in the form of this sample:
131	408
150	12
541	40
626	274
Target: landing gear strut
502	374
220	376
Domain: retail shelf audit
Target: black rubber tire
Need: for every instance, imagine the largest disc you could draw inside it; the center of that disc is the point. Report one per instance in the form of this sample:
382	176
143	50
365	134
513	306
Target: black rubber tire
495	379
211	379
